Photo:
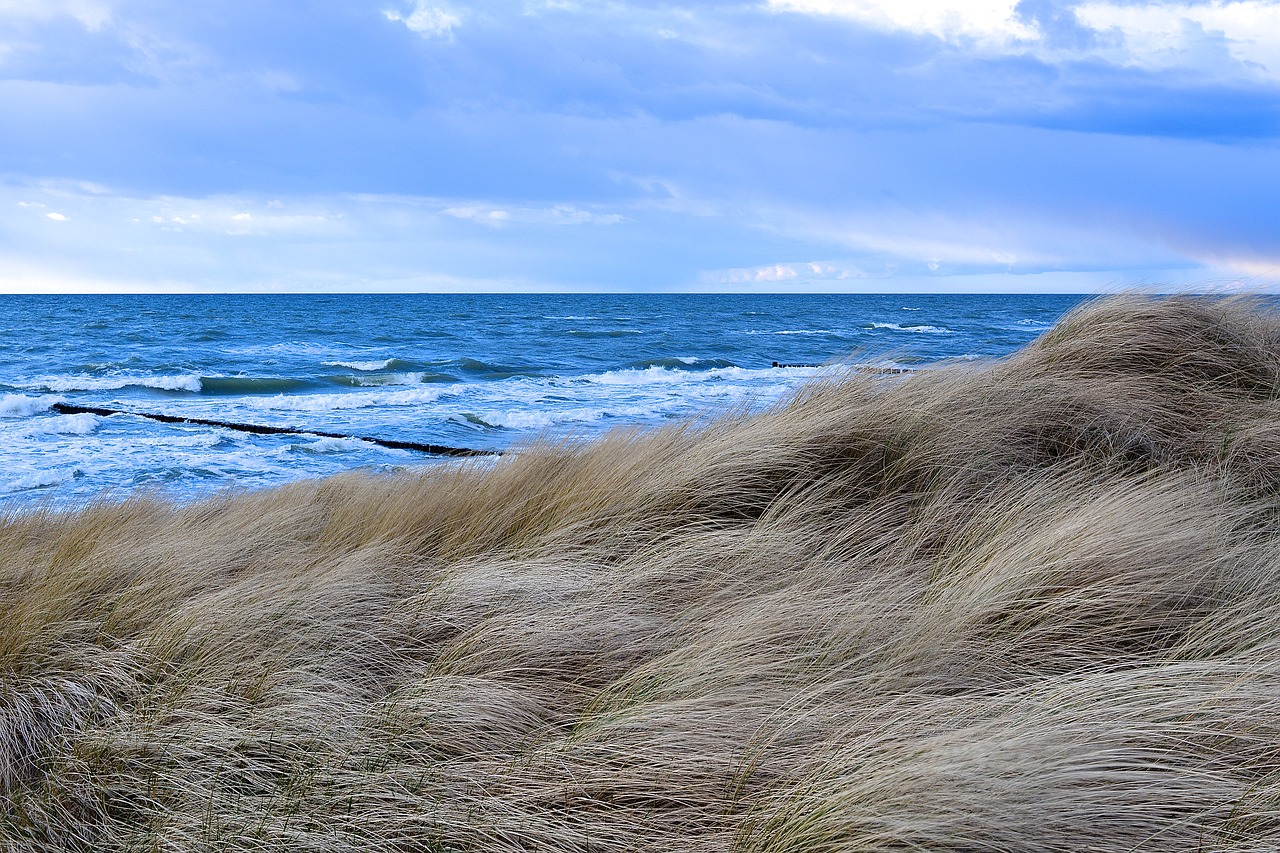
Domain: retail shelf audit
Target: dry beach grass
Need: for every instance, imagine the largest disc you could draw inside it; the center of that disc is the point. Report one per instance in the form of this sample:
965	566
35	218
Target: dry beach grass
1029	605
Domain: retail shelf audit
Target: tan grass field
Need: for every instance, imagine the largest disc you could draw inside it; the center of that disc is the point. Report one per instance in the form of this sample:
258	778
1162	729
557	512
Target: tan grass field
1025	605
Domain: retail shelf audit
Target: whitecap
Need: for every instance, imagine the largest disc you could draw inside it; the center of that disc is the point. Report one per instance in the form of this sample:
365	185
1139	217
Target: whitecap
388	379
200	439
80	424
666	376
366	366
63	384
356	400
525	419
329	444
42	480
919	329
22	406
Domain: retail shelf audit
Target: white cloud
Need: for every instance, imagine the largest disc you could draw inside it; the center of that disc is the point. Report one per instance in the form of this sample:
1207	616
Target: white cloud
478	214
810	271
56	217
991	21
426	20
934	241
22	275
561	214
939	241
1174	34
1259	269
93	14
1234	37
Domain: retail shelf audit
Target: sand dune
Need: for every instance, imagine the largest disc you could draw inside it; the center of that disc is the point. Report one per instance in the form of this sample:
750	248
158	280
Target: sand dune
1024	605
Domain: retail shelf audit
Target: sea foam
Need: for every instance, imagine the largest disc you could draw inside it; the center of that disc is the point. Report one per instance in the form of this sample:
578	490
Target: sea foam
22	406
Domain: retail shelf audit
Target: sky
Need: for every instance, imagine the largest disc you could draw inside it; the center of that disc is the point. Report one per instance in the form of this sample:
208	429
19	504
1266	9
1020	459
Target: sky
638	145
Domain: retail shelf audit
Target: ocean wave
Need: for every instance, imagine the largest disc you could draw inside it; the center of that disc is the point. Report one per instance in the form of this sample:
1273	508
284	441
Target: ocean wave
668	376
537	419
789	332
67	384
380	379
681	362
42	480
22	406
356	399
80	424
204	440
328	444
489	370
919	329
237	385
367	366
604	333
306	348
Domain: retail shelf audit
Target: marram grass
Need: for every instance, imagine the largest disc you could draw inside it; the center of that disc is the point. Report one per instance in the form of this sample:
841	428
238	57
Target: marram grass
1028	605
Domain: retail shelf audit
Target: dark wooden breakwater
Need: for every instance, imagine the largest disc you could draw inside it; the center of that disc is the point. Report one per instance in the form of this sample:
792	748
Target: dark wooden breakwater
259	429
862	368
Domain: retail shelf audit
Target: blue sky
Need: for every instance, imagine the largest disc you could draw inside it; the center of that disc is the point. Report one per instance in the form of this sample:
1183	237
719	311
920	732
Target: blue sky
808	145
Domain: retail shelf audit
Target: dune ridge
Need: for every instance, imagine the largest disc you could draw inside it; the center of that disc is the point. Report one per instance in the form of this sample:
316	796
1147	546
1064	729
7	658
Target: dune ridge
1031	604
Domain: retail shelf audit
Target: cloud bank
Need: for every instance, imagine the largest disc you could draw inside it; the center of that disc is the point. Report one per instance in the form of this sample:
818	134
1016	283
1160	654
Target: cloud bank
638	145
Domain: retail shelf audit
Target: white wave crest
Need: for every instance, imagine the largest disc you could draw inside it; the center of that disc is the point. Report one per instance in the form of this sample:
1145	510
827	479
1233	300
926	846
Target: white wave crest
200	439
919	329
22	406
81	424
366	366
355	400
328	444
64	384
667	376
526	419
388	379
41	480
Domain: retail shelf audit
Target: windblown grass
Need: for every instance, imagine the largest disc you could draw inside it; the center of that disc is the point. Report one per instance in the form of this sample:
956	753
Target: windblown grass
1029	605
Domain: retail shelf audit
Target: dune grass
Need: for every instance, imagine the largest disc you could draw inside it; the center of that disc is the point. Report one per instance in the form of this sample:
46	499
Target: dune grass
1026	605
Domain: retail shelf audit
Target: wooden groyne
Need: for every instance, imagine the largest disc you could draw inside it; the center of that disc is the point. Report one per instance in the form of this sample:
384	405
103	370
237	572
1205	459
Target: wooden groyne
260	429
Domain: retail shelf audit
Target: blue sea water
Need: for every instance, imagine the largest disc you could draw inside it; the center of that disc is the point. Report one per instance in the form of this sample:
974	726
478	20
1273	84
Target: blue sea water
481	371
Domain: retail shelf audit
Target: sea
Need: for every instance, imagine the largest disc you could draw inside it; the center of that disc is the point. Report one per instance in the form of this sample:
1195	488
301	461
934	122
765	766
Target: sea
484	372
